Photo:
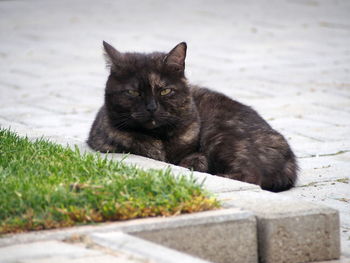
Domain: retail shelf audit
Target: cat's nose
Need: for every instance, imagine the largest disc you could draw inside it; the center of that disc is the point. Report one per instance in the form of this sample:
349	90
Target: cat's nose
151	106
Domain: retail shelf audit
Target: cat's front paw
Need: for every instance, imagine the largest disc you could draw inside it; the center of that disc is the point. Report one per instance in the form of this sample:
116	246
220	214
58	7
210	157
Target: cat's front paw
156	154
153	149
195	161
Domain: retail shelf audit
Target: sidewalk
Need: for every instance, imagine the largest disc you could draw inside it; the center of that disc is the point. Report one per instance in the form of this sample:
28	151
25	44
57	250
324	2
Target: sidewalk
289	59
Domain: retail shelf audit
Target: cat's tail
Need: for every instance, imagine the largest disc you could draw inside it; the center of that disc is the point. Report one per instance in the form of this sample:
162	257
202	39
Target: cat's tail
278	181
282	180
276	173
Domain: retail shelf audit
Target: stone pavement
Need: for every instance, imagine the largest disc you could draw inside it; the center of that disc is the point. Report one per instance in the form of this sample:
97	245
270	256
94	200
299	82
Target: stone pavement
288	59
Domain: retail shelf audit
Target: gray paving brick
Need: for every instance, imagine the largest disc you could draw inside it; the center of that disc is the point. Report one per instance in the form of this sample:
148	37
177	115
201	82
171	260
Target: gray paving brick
90	259
43	250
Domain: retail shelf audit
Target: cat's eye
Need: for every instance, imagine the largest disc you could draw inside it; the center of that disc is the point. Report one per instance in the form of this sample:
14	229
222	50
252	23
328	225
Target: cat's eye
133	93
165	92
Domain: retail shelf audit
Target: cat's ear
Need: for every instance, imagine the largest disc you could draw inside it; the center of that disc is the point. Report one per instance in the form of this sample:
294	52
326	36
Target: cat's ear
175	59
113	57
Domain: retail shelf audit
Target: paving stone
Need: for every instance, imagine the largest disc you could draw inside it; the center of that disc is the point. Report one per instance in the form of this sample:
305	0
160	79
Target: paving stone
44	250
305	232
323	168
90	259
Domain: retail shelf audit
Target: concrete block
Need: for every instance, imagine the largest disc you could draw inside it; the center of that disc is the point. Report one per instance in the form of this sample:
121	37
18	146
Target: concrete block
290	230
218	236
118	241
333	193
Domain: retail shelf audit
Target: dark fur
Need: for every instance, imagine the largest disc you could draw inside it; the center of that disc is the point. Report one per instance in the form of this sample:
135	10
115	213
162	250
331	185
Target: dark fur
193	127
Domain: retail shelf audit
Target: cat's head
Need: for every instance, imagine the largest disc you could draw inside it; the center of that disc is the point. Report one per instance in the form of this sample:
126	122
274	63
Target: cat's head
147	90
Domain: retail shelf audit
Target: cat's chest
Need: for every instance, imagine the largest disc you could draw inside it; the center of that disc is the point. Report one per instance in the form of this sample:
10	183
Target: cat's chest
182	143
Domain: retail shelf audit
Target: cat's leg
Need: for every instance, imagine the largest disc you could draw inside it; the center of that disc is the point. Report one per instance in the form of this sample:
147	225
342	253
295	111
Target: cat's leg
146	147
139	144
195	161
104	138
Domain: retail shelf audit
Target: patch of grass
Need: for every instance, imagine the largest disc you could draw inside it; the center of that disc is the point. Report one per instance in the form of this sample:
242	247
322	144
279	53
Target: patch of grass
44	186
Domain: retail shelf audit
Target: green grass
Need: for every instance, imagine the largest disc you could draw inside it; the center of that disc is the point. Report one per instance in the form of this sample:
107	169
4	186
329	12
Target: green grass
44	186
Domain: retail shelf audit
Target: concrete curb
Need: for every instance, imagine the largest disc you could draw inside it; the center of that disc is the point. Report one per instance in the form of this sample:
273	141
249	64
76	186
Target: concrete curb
121	242
231	234
97	248
290	230
229	238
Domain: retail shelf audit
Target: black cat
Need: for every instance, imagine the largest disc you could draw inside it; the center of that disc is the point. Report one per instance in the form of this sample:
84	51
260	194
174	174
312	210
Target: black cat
151	110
